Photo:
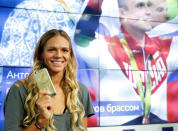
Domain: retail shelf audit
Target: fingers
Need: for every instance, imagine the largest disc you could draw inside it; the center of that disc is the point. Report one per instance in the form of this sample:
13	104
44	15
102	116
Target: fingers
44	104
43	92
44	100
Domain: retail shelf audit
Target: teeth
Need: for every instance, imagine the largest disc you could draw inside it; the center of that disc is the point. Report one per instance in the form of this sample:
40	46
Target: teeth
57	62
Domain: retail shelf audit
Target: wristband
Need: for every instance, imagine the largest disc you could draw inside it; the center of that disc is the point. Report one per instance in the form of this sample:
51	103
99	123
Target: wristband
37	125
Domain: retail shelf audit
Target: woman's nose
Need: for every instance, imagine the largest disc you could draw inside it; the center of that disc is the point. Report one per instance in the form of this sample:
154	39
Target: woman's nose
58	54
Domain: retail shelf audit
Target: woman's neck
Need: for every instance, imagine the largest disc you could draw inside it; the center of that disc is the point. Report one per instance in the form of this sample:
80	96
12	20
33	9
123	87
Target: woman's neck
56	79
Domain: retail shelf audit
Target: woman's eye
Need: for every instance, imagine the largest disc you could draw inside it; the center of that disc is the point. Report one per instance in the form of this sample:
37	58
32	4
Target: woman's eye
51	50
149	4
65	50
140	5
159	9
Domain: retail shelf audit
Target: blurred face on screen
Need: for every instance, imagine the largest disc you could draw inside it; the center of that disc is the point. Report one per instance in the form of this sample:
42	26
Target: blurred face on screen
159	12
135	14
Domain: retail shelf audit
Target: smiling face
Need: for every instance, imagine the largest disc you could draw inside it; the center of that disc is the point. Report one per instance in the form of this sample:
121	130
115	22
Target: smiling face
159	12
136	14
56	54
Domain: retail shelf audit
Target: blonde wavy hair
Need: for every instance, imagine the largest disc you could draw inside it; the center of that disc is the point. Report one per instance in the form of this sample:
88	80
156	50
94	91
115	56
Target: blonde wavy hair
69	85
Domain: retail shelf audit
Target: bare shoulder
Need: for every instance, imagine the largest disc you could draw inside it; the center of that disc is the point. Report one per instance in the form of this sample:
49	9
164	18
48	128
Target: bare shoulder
17	84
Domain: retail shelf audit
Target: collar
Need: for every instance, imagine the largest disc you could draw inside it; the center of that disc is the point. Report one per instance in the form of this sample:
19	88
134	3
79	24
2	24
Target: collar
150	46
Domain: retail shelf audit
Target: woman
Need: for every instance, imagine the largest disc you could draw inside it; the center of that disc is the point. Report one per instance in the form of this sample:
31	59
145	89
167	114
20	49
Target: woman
29	109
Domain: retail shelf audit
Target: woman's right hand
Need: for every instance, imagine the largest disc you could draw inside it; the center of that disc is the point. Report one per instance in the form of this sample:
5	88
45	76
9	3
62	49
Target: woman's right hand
44	105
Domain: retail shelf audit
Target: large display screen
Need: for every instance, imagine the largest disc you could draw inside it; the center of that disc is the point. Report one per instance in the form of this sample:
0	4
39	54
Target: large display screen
126	52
